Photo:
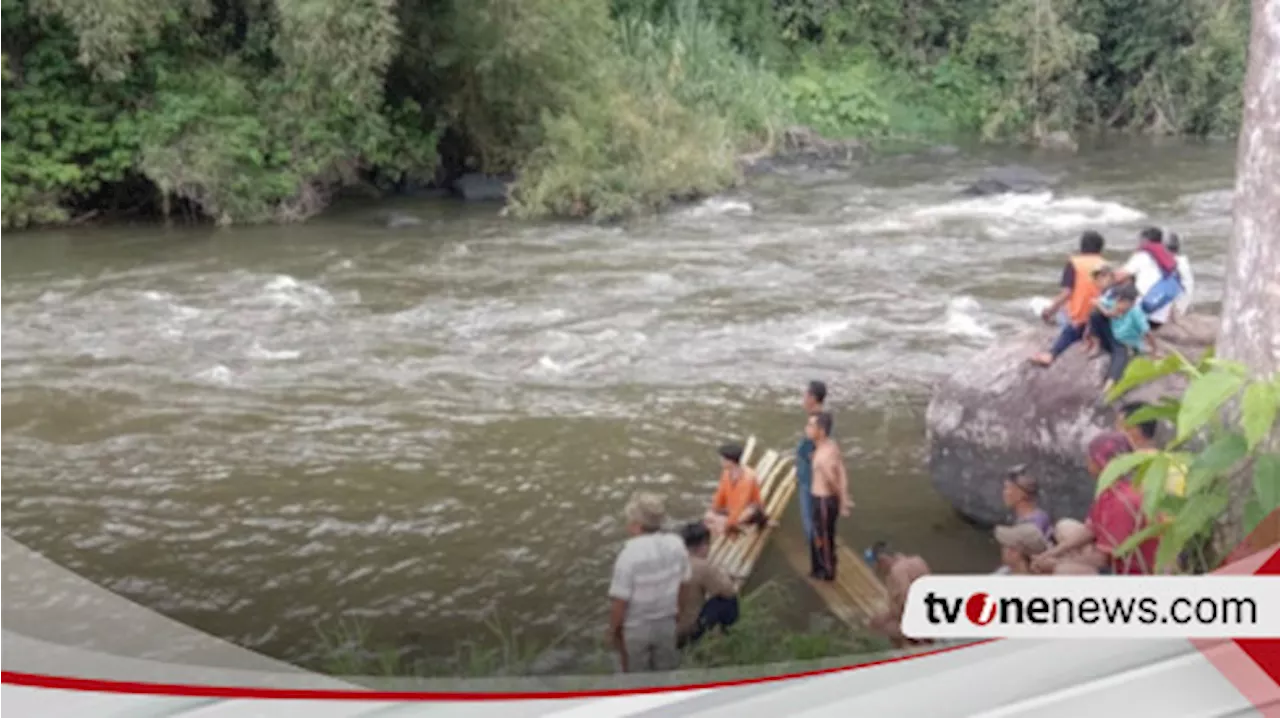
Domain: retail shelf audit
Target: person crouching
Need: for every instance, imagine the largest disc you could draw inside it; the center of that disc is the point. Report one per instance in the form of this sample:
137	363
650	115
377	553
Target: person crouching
709	599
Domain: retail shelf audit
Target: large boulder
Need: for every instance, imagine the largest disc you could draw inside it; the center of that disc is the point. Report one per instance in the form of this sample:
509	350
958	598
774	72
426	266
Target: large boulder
998	410
1014	178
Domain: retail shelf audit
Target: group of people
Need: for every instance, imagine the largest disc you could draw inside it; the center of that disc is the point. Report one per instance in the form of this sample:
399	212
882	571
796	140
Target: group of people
1033	544
1119	311
665	595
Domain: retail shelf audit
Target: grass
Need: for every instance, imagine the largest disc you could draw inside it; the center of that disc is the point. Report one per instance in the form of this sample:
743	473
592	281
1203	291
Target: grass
759	638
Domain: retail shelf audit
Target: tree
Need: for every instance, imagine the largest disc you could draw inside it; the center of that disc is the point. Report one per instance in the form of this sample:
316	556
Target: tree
1250	332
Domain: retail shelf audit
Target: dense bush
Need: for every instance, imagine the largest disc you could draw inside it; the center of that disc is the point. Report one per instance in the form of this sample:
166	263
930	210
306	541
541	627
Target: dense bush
262	110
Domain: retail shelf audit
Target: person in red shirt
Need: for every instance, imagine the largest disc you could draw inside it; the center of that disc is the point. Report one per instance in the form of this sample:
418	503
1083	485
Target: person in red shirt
737	500
1116	515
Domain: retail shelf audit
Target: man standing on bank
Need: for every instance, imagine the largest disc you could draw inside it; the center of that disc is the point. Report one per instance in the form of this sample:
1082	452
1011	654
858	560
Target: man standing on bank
814	397
830	496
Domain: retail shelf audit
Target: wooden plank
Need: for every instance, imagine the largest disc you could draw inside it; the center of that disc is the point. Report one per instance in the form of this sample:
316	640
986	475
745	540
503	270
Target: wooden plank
855	595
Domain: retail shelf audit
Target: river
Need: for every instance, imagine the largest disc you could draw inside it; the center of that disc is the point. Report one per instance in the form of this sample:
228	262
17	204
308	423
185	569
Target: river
262	430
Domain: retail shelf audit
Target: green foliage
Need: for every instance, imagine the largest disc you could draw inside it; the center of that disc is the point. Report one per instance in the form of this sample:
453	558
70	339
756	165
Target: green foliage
842	103
261	110
1230	415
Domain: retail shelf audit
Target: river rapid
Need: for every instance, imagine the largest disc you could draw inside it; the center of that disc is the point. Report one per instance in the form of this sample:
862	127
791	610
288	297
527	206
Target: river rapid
260	431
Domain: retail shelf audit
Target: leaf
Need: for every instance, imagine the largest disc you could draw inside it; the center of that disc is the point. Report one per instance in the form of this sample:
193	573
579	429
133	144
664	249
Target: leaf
1135	539
1204	398
1253	515
1216	459
1167	410
1152	480
1142	370
1206	361
1266	482
1122	465
1193	519
1258	412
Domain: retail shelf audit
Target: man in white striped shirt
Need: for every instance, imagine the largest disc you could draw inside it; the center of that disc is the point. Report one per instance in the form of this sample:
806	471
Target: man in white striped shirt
645	591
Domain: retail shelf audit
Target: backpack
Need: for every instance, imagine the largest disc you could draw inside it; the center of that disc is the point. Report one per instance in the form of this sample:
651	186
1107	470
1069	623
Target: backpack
1162	292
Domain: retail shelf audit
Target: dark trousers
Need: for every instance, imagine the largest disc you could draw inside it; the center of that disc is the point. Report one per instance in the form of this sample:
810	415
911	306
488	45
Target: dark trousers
1101	328
822	548
1068	336
717	611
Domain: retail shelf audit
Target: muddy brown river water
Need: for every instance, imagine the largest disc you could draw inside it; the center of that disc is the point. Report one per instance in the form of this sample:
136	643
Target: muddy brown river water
262	430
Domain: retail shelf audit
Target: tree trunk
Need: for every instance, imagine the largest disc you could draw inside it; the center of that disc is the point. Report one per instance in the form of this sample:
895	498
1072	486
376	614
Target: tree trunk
1250	330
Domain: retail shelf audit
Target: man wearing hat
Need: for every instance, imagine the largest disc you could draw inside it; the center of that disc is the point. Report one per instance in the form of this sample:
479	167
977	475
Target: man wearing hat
737	501
1021	495
1115	516
1019	543
644	594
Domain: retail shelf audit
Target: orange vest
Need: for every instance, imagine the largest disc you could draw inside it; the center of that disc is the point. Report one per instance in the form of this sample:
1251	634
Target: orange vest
1085	290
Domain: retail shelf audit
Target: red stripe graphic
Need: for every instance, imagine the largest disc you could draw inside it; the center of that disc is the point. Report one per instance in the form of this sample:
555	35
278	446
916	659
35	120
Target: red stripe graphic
335	694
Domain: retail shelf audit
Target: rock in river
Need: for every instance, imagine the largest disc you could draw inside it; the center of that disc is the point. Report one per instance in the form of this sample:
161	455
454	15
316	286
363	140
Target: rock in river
999	410
476	187
1013	178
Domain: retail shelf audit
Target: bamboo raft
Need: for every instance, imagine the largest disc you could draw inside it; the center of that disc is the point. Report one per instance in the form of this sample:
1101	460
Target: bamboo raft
855	595
738	555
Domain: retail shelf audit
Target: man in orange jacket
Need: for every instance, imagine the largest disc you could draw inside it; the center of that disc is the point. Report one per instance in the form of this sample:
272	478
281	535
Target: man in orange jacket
1076	296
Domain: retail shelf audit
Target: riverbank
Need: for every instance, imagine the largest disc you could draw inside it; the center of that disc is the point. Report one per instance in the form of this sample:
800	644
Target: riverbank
595	109
759	638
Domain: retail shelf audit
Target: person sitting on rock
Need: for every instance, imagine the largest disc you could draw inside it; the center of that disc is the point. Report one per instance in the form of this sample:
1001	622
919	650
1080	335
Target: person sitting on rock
899	571
1020	494
1105	278
737	500
1116	514
1019	544
1123	332
1149	266
1075	298
1181	305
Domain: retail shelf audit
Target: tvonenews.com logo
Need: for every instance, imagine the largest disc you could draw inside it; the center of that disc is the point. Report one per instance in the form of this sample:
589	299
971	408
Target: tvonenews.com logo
1049	606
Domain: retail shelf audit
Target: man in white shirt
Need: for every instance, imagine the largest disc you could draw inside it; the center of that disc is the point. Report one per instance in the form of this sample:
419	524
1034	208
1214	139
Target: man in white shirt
1145	267
644	595
1182	304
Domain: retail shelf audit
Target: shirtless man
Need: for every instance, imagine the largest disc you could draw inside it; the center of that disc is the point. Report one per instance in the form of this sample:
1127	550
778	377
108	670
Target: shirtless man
899	571
830	496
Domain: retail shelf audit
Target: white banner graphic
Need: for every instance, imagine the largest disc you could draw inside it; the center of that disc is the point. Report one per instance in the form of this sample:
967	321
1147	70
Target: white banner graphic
1093	607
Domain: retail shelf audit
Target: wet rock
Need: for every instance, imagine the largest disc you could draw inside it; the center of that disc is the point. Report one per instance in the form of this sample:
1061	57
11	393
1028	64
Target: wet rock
998	410
1060	141
801	142
400	220
475	187
1013	178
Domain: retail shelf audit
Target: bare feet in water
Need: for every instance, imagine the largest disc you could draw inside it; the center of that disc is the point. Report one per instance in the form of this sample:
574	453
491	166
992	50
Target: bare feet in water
1041	359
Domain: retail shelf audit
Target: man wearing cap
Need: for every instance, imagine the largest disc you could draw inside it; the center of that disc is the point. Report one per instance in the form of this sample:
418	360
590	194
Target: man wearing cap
1021	493
1116	515
1019	543
899	571
737	500
648	577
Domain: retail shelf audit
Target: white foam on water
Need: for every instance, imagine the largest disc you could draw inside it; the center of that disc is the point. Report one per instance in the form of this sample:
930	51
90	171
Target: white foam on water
959	319
217	374
717	206
1040	208
284	290
257	351
821	334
